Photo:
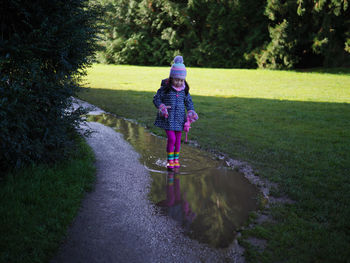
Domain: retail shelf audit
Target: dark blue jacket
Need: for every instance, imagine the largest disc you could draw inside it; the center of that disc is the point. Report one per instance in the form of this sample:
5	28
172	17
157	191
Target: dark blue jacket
179	102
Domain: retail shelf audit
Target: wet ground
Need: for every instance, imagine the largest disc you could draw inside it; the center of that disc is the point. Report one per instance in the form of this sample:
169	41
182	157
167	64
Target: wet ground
170	216
210	200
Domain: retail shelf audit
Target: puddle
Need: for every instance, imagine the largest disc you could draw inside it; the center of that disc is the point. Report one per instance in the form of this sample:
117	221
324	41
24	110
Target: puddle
209	200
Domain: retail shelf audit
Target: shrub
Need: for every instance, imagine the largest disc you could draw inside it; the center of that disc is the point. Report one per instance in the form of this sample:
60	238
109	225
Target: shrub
44	49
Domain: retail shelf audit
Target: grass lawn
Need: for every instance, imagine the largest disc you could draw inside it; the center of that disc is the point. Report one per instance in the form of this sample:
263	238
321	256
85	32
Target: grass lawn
38	204
292	127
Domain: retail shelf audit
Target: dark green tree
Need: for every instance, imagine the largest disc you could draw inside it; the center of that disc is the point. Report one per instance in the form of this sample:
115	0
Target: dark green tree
140	32
229	33
44	48
274	34
307	34
207	33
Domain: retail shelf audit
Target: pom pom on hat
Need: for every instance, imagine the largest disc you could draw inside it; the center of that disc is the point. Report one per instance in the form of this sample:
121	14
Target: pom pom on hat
178	60
178	69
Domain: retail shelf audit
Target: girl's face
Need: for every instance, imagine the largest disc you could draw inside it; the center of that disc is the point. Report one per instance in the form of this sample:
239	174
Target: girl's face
178	82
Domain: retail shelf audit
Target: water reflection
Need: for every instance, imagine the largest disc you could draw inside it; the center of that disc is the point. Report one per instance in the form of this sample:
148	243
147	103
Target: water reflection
206	197
176	205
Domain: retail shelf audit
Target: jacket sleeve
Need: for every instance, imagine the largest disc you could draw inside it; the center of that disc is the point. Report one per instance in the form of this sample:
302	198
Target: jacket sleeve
188	102
158	98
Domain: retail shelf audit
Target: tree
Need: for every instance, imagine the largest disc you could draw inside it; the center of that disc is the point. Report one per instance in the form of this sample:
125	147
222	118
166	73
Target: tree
229	33
207	33
307	34
44	48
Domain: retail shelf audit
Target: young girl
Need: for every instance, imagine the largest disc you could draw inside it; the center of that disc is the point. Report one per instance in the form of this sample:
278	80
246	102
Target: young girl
172	100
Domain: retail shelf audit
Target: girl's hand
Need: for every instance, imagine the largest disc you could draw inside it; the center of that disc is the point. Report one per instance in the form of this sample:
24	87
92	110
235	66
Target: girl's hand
192	115
163	110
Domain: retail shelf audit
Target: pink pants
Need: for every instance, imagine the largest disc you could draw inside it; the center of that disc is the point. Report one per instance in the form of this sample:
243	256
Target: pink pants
174	141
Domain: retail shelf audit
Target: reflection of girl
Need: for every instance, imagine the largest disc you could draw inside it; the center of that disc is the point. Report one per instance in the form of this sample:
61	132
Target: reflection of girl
178	208
172	100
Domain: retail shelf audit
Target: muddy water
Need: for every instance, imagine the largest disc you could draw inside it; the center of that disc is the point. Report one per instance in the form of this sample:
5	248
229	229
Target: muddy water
209	200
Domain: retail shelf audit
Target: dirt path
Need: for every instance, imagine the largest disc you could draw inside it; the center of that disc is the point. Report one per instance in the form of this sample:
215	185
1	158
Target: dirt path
117	223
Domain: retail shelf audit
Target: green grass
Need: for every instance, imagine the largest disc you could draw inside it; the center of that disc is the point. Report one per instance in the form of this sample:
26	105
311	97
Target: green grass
292	127
38	204
228	83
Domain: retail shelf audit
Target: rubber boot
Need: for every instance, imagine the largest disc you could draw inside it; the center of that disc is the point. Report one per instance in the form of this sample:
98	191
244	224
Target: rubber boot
170	164
176	160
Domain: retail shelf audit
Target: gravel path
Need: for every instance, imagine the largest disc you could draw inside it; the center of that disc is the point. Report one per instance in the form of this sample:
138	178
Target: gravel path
117	223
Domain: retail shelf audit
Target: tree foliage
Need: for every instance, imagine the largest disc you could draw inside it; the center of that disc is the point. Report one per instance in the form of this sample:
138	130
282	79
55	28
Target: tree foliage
307	34
208	33
44	48
274	34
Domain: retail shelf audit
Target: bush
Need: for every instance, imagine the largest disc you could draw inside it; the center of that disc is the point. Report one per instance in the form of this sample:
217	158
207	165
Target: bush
44	48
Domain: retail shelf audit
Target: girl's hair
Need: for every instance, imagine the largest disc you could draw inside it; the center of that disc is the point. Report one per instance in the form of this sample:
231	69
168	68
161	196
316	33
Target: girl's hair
168	86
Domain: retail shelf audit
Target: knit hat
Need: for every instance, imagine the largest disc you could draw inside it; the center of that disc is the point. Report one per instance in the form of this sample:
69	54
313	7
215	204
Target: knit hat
178	69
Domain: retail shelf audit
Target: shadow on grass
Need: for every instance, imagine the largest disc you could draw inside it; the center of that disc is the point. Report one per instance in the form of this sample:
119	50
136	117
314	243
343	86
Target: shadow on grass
303	146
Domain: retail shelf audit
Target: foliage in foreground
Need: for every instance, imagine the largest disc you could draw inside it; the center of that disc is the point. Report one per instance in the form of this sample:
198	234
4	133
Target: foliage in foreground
44	47
38	203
